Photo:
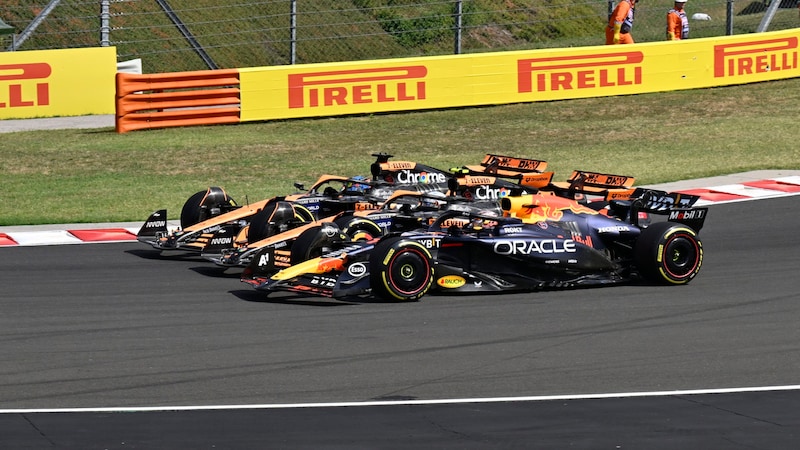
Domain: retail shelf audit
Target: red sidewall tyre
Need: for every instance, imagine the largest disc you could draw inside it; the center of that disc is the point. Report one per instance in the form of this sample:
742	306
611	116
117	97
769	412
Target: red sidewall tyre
669	253
400	270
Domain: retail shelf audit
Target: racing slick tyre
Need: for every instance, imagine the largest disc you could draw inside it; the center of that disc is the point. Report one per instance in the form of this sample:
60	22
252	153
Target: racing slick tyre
400	269
359	228
668	253
204	205
315	242
276	217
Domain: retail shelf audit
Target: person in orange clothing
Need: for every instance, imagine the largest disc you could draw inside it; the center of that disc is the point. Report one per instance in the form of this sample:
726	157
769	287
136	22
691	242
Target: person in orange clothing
677	22
620	23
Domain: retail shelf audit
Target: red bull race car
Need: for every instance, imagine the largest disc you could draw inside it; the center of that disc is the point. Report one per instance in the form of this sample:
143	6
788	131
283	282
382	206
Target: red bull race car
541	241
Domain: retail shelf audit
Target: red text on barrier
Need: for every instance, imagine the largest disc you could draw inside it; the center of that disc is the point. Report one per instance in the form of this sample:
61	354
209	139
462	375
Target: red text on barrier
18	93
752	57
358	86
579	72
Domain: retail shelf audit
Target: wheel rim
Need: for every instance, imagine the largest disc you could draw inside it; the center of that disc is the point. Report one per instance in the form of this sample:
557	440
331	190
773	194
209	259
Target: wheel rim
408	271
681	256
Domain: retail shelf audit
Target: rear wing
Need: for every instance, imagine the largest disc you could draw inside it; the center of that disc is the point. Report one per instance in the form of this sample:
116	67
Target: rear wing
404	172
466	185
678	207
609	186
506	166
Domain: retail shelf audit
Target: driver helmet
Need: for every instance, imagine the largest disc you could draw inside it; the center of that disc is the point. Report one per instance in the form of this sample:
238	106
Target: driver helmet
352	185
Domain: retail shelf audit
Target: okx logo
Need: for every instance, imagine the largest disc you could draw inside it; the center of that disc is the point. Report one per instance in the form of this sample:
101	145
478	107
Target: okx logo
357	86
24	85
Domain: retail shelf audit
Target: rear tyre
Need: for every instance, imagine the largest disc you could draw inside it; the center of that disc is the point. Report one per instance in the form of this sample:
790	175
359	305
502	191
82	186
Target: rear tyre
204	205
359	228
315	242
400	269
669	253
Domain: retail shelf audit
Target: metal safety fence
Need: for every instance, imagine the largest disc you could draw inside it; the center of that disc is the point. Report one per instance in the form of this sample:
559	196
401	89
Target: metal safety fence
182	35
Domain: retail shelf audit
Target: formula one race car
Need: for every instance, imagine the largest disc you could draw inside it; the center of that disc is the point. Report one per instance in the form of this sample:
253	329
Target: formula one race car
364	217
206	212
403	211
541	241
245	229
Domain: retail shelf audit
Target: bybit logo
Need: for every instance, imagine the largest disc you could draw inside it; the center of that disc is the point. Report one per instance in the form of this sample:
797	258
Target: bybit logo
360	86
579	72
747	58
19	93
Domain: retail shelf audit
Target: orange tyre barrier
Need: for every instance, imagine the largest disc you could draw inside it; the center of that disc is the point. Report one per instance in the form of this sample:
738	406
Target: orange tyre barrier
179	99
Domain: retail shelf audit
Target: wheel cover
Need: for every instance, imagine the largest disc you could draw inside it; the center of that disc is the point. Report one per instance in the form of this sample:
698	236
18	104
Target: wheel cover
408	271
681	256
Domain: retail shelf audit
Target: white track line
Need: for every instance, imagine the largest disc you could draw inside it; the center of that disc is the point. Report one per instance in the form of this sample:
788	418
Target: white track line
407	402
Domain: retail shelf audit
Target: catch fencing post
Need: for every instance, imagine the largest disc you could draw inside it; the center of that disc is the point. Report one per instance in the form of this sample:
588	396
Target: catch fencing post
729	19
293	32
458	16
104	23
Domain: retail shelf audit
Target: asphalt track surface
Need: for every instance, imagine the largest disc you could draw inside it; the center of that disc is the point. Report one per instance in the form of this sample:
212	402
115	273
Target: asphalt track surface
115	346
112	346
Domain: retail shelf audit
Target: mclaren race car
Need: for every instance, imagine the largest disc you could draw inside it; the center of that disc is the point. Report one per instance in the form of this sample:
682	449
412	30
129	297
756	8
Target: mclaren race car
541	241
365	217
403	211
206	212
230	238
470	189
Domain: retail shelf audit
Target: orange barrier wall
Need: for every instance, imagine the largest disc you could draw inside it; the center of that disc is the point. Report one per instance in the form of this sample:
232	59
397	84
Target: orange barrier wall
206	97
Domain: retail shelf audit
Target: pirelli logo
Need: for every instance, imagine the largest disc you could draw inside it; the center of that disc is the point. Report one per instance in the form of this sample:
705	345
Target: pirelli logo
564	73
753	57
24	85
358	86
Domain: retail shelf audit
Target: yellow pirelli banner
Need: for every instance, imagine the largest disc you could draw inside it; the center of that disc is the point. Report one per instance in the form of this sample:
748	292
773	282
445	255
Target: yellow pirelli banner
511	77
52	83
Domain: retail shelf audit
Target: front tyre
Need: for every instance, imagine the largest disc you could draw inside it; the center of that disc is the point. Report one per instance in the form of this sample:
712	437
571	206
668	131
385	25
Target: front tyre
316	241
204	205
669	253
275	218
400	269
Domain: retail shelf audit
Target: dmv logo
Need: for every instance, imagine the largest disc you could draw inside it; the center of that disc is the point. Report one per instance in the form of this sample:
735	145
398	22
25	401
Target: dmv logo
18	92
747	58
579	72
357	86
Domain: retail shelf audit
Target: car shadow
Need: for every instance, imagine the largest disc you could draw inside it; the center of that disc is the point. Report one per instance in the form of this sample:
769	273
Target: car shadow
215	271
288	299
164	256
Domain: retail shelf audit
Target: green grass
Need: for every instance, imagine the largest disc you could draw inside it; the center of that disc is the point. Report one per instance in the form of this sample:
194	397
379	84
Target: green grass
71	176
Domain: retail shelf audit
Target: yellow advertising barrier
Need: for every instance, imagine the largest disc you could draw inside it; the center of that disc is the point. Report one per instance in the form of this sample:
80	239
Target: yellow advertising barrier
512	77
51	83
